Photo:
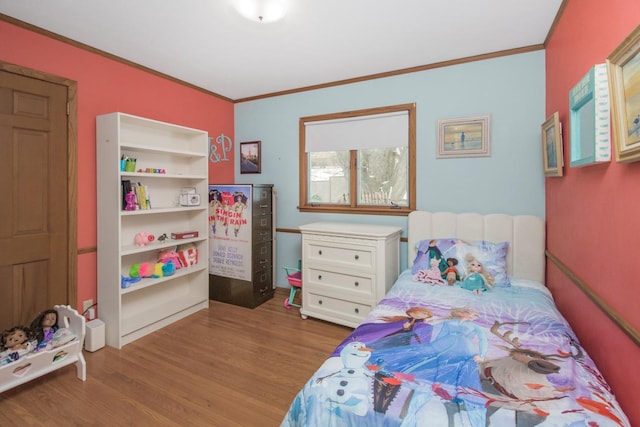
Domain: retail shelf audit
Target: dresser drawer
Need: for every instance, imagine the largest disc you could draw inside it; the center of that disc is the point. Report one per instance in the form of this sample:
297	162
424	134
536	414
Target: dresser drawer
329	308
348	255
357	285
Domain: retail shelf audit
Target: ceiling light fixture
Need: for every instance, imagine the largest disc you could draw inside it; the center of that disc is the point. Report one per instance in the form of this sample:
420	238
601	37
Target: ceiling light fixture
261	10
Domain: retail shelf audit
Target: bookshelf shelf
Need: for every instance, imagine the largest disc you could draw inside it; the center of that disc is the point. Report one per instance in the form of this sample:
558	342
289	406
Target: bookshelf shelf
151	303
146	283
135	175
158	246
161	210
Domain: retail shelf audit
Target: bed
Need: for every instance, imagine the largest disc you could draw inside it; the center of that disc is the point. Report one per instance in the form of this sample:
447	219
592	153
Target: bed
34	365
430	354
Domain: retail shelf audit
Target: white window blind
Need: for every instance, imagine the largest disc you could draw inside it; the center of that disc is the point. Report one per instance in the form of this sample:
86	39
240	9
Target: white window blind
359	132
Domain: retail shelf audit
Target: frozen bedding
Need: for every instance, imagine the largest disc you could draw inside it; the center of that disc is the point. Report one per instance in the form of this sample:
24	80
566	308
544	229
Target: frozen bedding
438	355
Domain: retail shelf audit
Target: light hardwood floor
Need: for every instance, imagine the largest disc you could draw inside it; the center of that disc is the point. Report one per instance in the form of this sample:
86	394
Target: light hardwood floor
226	366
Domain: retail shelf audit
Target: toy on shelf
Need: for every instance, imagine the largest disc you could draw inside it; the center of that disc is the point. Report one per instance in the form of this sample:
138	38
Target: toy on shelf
152	269
170	255
143	238
152	170
188	255
130	200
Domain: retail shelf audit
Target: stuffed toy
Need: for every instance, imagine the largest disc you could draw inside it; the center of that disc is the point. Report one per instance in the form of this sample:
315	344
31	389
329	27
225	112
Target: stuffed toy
432	275
43	328
126	282
188	255
170	256
161	269
152	269
143	238
143	269
168	269
477	279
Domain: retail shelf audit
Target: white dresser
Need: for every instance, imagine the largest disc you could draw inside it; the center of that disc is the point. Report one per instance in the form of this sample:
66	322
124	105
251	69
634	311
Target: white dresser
347	269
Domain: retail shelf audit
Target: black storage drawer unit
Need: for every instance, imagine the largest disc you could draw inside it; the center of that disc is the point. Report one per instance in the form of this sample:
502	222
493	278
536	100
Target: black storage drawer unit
261	288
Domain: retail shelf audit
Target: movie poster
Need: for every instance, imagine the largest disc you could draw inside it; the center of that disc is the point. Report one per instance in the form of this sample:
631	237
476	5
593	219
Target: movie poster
230	231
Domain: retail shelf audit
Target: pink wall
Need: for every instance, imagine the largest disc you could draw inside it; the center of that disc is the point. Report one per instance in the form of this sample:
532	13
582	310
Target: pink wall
106	86
592	213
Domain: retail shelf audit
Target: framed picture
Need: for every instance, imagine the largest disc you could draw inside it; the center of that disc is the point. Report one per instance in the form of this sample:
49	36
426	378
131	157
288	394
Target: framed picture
589	119
250	157
464	137
623	68
552	158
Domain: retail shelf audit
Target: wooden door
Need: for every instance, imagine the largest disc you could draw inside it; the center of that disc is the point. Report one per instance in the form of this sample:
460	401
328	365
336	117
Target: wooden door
34	244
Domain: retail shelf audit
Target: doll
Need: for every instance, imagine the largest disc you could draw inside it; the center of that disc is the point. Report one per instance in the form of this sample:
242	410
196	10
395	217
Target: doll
43	327
451	274
477	279
432	275
15	343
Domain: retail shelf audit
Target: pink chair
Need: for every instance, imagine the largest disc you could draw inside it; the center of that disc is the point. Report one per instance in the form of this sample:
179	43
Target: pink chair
294	277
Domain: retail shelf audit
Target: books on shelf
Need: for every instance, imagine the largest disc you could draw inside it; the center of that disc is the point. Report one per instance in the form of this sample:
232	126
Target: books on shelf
141	192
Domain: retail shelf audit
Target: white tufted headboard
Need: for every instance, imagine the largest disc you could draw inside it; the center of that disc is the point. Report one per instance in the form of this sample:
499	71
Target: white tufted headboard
525	234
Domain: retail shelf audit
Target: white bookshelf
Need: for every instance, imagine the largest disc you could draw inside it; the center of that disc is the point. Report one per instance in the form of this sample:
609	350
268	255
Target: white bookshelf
150	304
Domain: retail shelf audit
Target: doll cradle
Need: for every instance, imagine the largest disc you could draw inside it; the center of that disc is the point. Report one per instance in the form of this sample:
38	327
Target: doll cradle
34	365
294	277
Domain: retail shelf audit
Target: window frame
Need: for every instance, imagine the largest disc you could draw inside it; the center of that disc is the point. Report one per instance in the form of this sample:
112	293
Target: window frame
353	207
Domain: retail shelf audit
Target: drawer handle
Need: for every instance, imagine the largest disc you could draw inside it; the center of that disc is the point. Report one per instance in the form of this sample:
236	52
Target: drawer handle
264	206
357	311
319	302
319	252
357	284
357	257
319	276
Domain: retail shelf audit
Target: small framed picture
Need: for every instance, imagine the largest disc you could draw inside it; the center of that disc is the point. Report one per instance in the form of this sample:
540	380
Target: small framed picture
464	137
552	157
623	68
250	157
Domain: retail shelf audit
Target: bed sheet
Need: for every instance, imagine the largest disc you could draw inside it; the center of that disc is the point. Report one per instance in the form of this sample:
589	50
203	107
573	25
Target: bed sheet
442	356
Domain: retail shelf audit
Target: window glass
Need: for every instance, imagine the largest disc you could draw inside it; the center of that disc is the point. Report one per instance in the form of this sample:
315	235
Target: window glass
359	161
382	176
329	178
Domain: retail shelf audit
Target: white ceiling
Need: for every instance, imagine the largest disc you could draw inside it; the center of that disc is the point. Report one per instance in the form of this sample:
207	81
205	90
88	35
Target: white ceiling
208	44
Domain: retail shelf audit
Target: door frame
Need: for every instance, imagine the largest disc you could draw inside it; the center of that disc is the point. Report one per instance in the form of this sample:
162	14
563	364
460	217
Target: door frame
72	169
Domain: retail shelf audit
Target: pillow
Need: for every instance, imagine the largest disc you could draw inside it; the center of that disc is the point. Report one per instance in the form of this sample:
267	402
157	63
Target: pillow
493	257
440	248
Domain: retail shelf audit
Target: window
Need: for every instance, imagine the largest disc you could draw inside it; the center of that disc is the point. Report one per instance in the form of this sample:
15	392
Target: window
359	161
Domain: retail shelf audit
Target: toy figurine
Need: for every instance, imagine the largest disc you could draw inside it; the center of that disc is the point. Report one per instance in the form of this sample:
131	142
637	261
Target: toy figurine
14	343
432	275
451	274
130	200
43	327
477	279
143	238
